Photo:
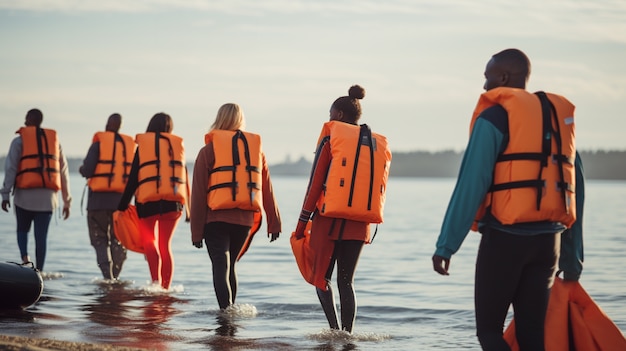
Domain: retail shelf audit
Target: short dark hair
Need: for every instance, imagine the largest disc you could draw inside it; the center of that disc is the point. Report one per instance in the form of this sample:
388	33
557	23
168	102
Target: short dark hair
515	60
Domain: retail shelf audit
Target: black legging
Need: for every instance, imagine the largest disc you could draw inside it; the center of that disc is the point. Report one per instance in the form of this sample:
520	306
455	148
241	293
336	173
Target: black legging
223	242
346	254
518	270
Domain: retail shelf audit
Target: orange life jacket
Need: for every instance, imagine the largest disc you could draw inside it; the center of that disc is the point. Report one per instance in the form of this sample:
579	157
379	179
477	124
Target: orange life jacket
235	180
534	178
357	178
162	170
114	162
39	166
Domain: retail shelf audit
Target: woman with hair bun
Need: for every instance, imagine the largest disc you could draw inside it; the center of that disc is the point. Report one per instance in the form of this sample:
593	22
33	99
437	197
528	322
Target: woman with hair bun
346	193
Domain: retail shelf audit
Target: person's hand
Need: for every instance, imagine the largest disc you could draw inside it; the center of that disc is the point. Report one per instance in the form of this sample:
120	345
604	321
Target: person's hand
197	244
273	236
6	204
300	228
66	212
441	264
568	276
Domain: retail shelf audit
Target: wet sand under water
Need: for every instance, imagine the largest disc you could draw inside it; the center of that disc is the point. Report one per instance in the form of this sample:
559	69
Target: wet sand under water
20	343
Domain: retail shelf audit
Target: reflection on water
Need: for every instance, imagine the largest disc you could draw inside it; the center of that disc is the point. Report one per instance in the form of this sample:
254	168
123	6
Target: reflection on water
226	327
131	317
18	315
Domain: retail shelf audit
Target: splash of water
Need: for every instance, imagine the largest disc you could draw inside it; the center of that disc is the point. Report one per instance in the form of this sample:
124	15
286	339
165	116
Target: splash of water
335	335
239	311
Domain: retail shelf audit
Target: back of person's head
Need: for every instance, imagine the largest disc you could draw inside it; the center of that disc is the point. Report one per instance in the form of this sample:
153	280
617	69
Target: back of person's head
160	123
114	123
514	62
34	117
350	105
229	117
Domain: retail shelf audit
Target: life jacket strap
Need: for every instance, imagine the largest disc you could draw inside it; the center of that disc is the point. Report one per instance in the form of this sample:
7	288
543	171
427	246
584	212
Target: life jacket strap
318	151
156	178
40	170
233	185
224	185
530	156
365	139
548	108
564	158
531	183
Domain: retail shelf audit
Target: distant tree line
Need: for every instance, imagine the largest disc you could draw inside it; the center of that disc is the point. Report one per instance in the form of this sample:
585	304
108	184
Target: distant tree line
600	164
609	165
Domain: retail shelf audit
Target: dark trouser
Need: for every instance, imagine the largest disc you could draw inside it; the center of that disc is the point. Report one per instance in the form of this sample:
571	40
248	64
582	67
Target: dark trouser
110	254
41	222
517	270
346	255
224	242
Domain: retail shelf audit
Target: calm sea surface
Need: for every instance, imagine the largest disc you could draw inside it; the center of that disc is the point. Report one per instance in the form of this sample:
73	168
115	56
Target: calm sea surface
403	304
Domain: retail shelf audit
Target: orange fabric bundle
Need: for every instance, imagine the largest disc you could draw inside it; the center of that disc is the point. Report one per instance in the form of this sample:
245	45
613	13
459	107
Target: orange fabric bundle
126	228
258	220
303	253
573	315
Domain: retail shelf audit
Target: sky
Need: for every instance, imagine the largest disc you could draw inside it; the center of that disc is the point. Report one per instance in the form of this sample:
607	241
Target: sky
421	63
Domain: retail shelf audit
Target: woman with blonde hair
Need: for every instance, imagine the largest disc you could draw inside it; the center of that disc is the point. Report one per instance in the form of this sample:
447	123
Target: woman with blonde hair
231	185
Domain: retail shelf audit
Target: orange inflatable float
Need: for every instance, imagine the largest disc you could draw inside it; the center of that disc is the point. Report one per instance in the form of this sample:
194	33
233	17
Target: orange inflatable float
126	228
303	253
573	317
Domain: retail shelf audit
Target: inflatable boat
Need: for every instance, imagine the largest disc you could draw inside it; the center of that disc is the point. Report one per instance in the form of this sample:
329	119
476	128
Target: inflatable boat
20	285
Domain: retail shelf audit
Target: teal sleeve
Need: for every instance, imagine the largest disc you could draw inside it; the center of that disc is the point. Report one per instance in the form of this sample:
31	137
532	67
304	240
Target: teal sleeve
571	259
473	182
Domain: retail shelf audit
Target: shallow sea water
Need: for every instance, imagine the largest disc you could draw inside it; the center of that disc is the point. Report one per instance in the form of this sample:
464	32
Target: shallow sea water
402	303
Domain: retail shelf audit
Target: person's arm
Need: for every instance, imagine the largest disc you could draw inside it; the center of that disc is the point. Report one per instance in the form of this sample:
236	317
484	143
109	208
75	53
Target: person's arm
319	171
65	184
572	255
88	167
199	186
274	226
474	180
10	172
131	185
486	142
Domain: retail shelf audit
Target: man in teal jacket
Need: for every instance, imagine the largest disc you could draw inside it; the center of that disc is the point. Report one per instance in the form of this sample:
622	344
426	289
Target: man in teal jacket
516	262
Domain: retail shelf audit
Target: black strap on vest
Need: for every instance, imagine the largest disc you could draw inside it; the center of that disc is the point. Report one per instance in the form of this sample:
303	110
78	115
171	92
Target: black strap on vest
233	185
110	162
318	152
549	115
157	163
542	157
40	134
44	157
110	180
365	138
559	158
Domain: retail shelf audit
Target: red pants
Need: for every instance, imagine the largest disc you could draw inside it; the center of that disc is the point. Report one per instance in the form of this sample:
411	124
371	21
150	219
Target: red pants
157	232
